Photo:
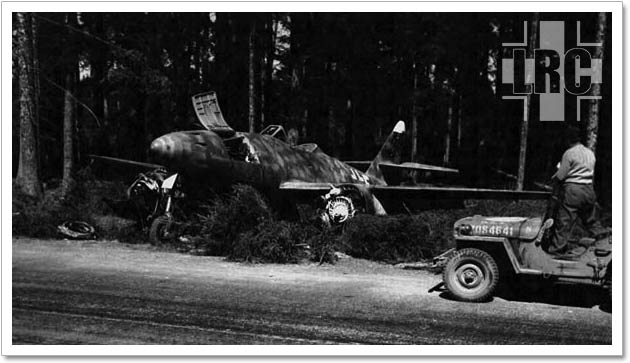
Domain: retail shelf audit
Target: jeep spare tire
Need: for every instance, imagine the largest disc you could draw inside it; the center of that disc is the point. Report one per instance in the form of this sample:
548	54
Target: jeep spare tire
471	275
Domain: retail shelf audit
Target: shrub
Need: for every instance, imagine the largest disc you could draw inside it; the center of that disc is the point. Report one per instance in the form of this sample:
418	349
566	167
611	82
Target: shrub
387	238
273	241
114	227
40	218
219	226
242	227
323	245
504	208
403	238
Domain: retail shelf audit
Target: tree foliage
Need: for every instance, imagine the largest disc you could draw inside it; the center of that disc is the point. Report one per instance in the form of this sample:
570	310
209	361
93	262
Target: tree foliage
341	80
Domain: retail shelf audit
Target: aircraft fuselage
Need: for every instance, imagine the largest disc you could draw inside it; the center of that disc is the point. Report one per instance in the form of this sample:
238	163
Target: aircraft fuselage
249	158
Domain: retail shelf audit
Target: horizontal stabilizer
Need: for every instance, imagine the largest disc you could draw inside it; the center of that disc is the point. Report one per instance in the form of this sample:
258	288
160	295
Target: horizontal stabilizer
362	165
418	166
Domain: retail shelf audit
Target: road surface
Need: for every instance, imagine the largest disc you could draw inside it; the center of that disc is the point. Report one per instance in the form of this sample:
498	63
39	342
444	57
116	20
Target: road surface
96	292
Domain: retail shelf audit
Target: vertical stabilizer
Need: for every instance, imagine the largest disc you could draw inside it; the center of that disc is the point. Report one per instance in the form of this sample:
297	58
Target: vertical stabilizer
390	152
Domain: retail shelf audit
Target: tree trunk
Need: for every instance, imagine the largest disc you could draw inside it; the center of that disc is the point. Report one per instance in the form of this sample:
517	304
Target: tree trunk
447	137
304	125
69	111
36	85
267	64
15	109
592	128
414	116
525	123
348	134
98	63
332	130
300	111
459	124
252	96
69	127
27	178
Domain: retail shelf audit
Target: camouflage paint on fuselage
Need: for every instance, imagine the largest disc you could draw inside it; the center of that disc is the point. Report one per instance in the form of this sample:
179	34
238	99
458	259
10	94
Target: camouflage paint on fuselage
290	163
204	154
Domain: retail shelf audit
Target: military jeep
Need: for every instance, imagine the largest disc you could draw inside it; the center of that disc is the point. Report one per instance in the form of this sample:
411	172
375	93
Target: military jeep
489	249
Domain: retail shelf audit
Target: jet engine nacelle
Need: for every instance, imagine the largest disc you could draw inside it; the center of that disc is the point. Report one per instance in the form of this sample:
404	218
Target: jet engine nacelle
344	201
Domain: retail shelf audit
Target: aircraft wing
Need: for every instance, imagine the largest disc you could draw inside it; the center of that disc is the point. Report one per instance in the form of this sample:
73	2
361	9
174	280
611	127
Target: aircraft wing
125	162
305	189
363	165
307	186
423	192
419	192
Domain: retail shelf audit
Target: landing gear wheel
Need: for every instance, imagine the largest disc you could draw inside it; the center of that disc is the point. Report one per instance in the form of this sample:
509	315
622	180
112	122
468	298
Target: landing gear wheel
471	275
160	229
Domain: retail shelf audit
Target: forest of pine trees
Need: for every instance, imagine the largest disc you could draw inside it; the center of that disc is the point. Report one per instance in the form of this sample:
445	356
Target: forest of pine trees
109	83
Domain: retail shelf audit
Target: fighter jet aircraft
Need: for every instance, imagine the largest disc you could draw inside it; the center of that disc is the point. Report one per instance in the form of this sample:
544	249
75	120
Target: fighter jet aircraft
219	156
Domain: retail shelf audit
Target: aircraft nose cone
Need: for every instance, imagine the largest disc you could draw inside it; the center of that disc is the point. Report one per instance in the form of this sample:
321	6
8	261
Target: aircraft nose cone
156	146
162	148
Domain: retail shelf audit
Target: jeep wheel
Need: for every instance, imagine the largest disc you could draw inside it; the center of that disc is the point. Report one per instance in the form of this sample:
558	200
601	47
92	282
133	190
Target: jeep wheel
471	275
160	229
607	304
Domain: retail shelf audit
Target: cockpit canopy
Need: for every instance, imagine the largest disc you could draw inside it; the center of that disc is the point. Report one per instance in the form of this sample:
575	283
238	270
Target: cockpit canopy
209	114
276	131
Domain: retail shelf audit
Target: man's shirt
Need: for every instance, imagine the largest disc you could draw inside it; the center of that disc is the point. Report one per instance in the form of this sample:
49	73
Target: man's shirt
577	165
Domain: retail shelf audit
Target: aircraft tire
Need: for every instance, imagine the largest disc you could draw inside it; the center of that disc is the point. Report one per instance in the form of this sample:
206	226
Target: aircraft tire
471	275
160	229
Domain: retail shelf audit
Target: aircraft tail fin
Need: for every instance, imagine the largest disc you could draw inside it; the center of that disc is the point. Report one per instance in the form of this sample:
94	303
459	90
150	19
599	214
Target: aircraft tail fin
390	152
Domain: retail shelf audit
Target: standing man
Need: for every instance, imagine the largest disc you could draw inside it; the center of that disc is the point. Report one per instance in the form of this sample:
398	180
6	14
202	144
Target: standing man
576	196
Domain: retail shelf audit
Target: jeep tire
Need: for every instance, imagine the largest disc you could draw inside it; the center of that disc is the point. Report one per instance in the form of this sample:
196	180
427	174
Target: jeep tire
471	275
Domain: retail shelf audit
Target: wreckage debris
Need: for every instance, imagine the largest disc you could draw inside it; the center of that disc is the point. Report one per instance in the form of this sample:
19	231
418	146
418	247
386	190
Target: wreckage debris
77	230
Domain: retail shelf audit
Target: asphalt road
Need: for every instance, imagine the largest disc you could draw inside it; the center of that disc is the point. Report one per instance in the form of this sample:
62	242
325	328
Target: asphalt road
68	292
